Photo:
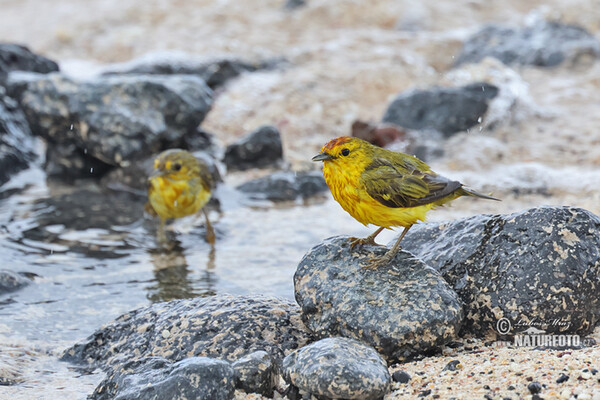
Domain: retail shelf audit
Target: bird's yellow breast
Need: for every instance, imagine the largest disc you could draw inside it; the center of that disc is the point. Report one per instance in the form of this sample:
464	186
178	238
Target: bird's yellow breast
347	189
176	198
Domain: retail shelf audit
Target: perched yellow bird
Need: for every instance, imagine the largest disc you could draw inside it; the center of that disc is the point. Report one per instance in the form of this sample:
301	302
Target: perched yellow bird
181	185
384	188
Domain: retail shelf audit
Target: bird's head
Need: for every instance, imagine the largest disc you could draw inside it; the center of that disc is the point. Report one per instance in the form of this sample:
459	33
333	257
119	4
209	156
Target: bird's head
175	164
344	151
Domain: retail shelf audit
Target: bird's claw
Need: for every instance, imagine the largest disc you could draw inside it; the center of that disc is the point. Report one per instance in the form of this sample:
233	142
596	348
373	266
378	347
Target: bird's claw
354	241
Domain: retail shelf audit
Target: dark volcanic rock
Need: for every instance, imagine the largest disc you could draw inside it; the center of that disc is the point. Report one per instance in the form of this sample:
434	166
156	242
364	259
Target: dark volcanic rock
16	141
156	378
538	268
11	281
260	148
338	368
19	58
255	373
113	120
285	185
447	110
215	73
543	44
223	327
401	309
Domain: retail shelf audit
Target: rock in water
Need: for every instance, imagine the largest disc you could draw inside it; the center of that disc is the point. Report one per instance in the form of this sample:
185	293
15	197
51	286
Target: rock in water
255	373
446	110
154	378
285	186
113	119
224	327
16	140
11	281
401	309
338	368
539	268
260	148
543	44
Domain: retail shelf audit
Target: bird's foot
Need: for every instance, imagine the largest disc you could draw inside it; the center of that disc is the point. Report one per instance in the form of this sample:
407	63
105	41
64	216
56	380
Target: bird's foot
377	262
354	241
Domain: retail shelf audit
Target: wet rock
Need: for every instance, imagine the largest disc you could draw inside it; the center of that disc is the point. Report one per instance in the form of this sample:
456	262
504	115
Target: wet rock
215	72
401	309
542	44
401	376
338	368
11	281
224	327
255	373
113	120
14	57
447	110
537	268
260	148
156	378
16	140
285	186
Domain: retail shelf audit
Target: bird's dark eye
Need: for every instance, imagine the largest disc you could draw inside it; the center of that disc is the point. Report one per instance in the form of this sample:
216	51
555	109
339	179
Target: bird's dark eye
345	152
176	167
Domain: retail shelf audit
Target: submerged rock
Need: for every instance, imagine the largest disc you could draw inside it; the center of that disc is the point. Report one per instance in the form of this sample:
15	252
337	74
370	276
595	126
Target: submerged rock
338	368
14	57
543	44
402	309
255	373
215	72
156	378
258	149
536	268
285	186
446	110
11	281
223	327
16	140
112	120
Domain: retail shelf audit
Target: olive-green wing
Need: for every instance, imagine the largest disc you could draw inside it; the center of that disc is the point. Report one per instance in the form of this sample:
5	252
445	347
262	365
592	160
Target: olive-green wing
402	184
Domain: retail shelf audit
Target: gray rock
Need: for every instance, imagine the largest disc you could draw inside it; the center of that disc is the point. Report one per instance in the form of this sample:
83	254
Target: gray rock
338	368
401	309
156	378
16	140
285	186
224	327
114	119
446	110
215	73
539	268
11	281
14	57
260	148
255	373
543	44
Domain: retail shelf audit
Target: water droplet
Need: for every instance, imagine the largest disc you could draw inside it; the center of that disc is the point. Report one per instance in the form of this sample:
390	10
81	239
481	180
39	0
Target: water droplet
91	170
479	119
71	126
85	151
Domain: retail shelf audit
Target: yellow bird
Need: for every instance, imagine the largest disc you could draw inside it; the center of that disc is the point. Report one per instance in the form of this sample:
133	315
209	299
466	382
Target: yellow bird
384	188
181	185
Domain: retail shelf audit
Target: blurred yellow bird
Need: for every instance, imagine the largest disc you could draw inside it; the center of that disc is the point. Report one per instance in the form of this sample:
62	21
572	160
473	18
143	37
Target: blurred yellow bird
181	185
384	188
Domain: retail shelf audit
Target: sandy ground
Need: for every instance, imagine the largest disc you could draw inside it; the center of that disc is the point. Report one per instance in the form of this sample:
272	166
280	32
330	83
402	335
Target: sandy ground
347	59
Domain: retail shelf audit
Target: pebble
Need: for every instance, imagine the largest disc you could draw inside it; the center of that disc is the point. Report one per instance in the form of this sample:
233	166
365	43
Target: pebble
401	376
453	366
534	387
562	378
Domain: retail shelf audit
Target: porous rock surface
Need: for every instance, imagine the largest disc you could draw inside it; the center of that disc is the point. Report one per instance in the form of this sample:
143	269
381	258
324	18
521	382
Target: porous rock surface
223	327
256	373
338	368
539	268
401	309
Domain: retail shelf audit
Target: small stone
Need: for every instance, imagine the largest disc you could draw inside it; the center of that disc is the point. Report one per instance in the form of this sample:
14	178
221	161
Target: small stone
585	376
511	387
401	377
453	366
425	393
255	373
584	396
258	149
165	334
594	371
534	387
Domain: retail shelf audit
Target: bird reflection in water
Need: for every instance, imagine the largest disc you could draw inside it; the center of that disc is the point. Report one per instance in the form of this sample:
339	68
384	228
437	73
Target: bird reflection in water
175	279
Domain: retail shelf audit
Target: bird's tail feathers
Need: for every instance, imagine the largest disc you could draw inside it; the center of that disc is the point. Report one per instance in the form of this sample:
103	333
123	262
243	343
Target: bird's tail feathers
469	192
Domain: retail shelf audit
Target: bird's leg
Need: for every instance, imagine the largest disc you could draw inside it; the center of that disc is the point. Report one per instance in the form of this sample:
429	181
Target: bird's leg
368	240
389	256
161	236
210	232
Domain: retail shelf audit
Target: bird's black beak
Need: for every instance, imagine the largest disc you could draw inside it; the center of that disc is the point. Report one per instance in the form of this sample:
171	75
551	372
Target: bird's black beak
323	157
